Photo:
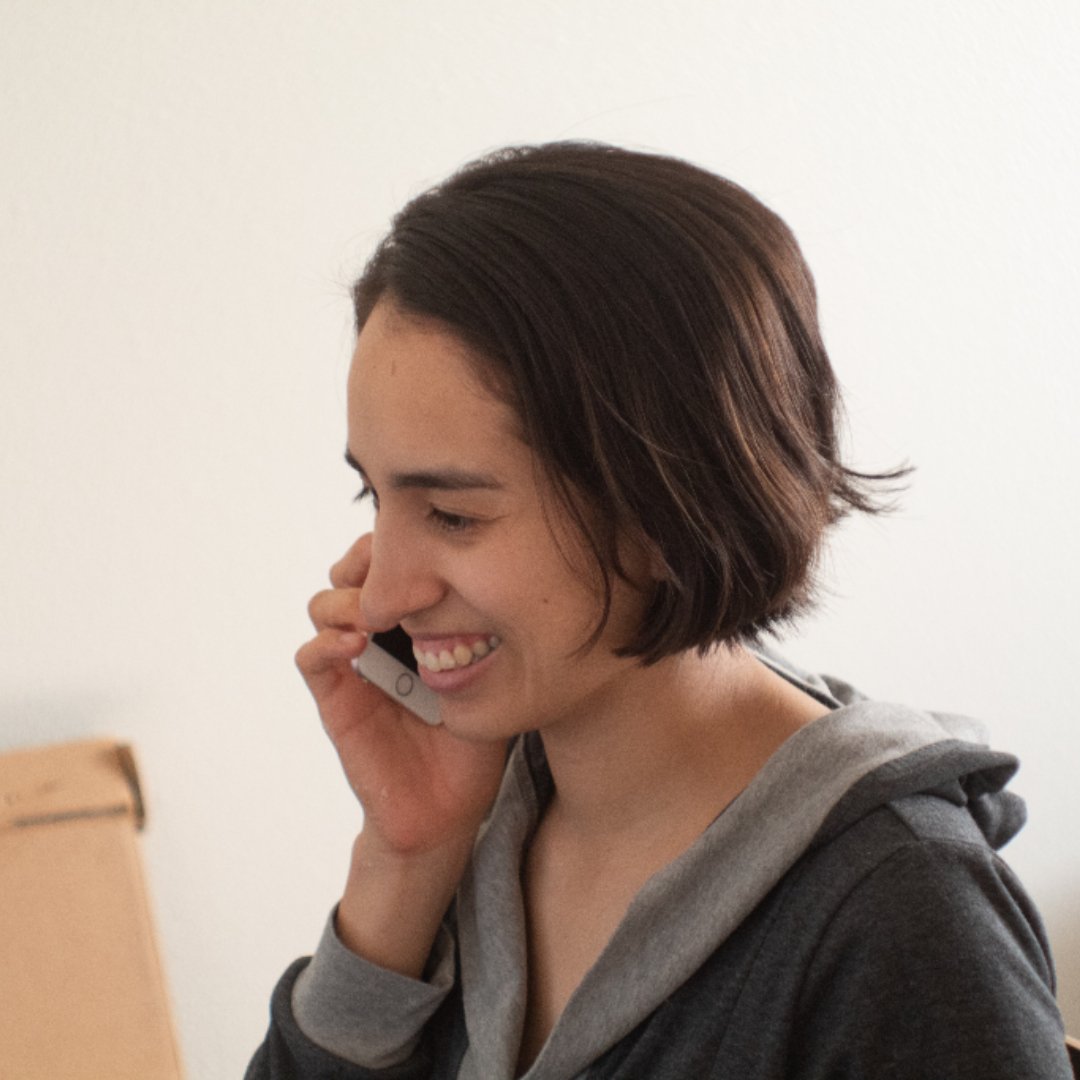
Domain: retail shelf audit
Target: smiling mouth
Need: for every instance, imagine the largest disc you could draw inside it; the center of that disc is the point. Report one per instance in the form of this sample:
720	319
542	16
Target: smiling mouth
461	655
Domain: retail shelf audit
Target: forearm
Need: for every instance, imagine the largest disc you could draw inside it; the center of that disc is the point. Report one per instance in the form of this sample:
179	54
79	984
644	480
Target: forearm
393	905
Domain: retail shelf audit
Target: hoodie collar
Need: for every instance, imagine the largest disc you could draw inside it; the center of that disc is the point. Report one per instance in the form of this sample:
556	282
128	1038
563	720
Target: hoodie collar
822	779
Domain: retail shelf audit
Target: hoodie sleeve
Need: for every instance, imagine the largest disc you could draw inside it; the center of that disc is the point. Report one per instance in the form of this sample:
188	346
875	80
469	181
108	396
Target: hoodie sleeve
936	964
339	1017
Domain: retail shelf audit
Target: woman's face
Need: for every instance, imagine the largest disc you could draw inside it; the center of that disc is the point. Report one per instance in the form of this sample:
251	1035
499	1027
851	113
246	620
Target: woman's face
496	594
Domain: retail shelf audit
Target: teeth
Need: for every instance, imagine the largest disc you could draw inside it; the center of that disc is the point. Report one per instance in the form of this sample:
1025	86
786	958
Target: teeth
461	655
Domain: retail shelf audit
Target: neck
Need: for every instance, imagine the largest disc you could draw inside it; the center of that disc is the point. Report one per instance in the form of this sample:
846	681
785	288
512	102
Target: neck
678	742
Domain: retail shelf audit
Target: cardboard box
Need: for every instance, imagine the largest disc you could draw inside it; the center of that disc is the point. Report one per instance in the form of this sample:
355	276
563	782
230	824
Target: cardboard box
82	992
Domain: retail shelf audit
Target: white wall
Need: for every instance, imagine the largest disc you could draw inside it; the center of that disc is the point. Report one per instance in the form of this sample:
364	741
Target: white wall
185	190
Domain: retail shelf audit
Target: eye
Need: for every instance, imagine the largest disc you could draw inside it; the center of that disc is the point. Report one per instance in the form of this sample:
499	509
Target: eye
451	523
367	492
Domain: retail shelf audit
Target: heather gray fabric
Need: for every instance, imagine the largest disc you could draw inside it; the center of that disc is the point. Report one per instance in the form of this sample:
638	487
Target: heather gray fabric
324	1001
690	920
713	886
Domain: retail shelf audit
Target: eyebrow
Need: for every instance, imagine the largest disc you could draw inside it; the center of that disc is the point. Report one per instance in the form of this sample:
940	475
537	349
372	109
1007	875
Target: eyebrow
434	479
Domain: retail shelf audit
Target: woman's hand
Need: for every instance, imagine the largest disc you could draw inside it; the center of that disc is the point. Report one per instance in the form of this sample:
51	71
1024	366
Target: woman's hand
424	792
421	788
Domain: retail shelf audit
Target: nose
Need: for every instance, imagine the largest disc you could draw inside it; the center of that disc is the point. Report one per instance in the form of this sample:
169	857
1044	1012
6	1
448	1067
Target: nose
401	579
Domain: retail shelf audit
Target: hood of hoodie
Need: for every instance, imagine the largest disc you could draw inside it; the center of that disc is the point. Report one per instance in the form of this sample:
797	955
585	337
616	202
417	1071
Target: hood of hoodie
828	775
961	767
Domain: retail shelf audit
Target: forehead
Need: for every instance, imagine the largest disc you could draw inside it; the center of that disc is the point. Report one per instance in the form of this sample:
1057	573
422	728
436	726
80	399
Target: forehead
415	388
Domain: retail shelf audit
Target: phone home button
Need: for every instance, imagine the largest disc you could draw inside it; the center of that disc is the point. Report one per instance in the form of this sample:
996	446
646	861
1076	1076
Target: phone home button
404	685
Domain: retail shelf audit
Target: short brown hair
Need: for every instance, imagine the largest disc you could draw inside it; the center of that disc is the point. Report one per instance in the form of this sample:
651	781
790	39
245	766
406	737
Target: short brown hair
655	328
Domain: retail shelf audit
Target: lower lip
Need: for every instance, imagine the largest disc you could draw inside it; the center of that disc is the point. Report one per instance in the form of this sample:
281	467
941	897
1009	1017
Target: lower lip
446	682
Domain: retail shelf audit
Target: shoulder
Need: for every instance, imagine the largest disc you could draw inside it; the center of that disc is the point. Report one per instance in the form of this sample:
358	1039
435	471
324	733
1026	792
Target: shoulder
926	949
914	876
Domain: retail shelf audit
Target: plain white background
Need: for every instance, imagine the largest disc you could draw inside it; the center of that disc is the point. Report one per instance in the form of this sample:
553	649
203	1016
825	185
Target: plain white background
186	190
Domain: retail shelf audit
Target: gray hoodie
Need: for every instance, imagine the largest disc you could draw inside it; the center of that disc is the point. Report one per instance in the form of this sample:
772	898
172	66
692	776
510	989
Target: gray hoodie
845	916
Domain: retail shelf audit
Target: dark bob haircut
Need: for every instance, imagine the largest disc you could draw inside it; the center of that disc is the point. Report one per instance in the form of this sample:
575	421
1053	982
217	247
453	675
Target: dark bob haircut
655	329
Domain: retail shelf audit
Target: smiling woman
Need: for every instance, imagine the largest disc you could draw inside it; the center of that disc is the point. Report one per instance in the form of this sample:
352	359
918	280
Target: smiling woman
591	404
467	547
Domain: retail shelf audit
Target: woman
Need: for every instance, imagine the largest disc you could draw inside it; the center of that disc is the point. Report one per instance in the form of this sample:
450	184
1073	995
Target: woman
590	402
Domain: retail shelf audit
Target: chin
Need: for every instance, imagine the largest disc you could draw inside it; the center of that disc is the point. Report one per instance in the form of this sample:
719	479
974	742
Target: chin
482	723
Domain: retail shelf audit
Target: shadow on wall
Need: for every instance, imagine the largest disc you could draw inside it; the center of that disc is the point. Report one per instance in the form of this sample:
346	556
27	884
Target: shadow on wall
1063	924
55	717
29	721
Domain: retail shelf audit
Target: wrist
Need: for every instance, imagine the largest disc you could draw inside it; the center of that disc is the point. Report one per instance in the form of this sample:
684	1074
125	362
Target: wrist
394	903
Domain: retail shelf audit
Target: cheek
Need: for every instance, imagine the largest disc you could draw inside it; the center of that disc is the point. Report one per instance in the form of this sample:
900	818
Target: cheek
525	588
494	587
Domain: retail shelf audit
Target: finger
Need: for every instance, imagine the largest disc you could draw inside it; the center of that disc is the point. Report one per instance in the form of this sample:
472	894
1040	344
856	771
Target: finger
329	653
337	608
351	569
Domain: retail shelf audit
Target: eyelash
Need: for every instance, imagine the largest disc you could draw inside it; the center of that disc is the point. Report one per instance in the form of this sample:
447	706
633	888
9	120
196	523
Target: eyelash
367	492
441	519
450	523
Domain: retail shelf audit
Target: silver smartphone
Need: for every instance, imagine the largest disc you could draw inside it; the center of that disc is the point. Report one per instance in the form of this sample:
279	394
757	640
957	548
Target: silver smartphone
388	662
